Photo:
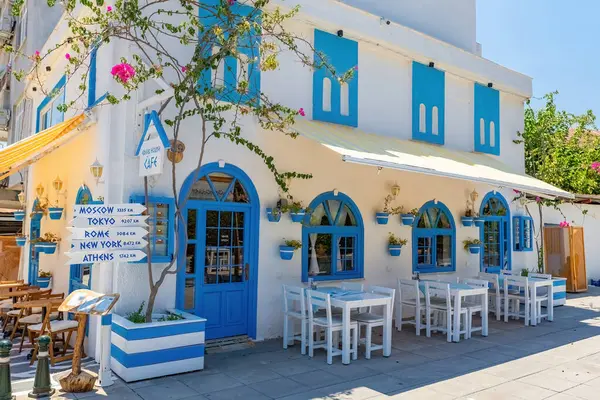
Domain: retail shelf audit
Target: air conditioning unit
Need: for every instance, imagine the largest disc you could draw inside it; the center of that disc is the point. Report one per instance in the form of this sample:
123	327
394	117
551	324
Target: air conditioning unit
4	119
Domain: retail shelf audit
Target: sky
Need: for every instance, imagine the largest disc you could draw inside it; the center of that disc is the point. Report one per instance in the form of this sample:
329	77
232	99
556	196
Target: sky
556	42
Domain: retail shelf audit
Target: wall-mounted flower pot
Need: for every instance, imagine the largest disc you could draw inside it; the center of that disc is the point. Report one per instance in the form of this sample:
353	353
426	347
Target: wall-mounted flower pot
286	252
407	219
37	215
43	282
382	218
298	216
273	215
467	221
395	249
21	241
46	248
55	213
474	248
19	215
479	222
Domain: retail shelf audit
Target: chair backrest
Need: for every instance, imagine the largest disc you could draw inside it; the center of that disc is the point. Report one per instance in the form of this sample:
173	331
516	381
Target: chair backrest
440	290
477	283
445	278
539	276
408	289
516	282
383	291
40	294
291	296
354	286
511	272
11	282
492	279
317	301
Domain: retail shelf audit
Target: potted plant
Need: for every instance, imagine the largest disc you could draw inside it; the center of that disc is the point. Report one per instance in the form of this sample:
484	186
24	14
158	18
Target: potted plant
21	240
467	219
274	214
478	220
473	246
286	250
395	244
409	217
382	217
19	215
296	210
38	211
46	244
43	279
55	212
524	272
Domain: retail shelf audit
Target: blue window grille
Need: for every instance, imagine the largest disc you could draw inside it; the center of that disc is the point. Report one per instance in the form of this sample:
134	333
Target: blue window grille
428	103
523	232
487	120
332	239
333	101
495	233
48	113
161	211
434	239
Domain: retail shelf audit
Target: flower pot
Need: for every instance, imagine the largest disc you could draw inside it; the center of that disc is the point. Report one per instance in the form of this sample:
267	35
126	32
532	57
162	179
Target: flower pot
395	249
286	252
297	216
19	215
21	241
36	215
407	219
382	218
467	221
474	248
479	222
55	212
46	248
43	282
273	216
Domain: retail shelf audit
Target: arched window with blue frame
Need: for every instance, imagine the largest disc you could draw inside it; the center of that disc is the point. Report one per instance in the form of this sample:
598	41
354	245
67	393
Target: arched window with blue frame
333	239
495	234
434	239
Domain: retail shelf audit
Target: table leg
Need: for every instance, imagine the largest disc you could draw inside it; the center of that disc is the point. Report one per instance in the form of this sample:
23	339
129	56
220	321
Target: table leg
346	335
484	314
456	327
533	312
551	302
387	330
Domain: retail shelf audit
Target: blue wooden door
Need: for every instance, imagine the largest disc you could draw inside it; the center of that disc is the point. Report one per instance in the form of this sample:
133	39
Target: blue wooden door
34	256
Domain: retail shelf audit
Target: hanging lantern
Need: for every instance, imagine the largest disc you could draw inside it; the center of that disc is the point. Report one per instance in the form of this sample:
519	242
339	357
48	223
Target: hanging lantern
21	197
57	184
395	190
39	190
96	169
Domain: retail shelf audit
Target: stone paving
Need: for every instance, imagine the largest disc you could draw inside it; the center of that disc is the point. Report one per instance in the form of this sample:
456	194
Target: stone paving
558	360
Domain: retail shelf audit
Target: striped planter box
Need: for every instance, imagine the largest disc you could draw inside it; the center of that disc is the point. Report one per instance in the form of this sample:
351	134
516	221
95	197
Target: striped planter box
144	351
559	290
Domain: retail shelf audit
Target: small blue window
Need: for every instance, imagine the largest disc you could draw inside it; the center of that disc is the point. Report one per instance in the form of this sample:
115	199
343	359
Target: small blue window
333	101
161	211
428	103
434	239
487	120
48	113
332	239
523	233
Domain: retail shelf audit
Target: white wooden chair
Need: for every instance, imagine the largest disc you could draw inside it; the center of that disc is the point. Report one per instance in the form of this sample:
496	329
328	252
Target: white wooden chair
511	272
409	295
494	292
354	286
332	324
518	293
444	278
438	302
371	319
473	304
294	308
541	295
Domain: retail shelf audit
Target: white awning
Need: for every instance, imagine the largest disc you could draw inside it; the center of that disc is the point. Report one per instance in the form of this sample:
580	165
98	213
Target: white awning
406	155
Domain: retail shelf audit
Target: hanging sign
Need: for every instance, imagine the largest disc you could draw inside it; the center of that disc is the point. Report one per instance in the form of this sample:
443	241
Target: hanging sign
152	155
88	257
108	233
108	244
108	209
108	221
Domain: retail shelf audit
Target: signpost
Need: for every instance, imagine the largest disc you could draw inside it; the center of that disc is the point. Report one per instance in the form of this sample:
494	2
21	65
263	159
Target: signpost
89	257
152	156
108	244
108	221
108	233
110	209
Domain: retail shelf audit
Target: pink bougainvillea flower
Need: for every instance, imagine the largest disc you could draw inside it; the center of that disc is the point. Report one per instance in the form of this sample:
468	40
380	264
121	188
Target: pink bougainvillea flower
37	54
596	166
301	112
516	191
108	8
123	72
564	224
231	2
68	56
184	69
538	199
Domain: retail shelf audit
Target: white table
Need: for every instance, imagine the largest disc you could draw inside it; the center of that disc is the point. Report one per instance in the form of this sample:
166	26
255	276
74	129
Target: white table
534	284
358	300
458	291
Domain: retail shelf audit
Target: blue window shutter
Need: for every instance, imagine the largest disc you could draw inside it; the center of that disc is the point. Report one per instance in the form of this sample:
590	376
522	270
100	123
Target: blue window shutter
342	55
152	237
487	108
429	89
48	99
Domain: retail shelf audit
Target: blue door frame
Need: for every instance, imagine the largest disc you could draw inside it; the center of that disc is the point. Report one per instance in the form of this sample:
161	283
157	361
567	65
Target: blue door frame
34	255
495	232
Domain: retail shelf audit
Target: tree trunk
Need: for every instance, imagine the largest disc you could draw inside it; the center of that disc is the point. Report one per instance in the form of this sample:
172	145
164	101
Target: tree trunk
78	350
151	300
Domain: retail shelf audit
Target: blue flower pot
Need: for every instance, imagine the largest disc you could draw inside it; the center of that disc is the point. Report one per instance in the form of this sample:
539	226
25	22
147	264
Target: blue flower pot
474	248
467	221
479	222
46	248
273	216
43	282
382	218
407	219
298	217
19	215
286	252
21	241
55	212
36	216
395	249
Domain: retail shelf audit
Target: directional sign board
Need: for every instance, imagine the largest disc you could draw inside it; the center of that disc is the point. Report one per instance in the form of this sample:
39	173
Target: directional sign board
108	221
108	209
89	257
108	233
108	244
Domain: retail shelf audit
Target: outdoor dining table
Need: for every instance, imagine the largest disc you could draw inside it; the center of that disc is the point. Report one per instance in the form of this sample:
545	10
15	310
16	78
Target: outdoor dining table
534	284
43	303
458	291
18	293
350	299
11	286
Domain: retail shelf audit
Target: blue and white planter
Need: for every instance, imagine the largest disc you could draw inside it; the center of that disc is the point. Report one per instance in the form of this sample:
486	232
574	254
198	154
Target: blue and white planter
36	215
286	252
273	214
467	221
407	219
479	221
43	282
144	351
298	216
19	215
474	248
395	249
55	213
382	218
46	248
21	241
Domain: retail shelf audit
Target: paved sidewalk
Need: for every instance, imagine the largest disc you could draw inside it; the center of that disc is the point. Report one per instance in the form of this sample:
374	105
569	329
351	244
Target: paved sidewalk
558	360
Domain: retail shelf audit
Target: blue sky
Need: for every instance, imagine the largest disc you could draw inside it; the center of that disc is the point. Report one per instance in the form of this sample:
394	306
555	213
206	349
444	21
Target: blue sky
556	42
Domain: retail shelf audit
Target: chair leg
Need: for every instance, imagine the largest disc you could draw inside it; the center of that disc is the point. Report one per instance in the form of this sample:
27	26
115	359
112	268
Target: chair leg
449	326
469	325
368	339
498	307
303	339
418	319
329	346
286	322
311	340
427	323
51	351
506	309
22	338
355	342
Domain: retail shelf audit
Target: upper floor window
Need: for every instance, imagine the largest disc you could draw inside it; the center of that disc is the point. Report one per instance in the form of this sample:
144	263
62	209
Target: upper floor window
434	239
428	102
48	113
335	101
332	239
21	30
487	120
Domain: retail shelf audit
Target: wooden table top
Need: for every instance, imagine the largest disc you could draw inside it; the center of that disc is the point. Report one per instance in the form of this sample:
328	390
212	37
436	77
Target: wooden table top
18	293
37	303
11	285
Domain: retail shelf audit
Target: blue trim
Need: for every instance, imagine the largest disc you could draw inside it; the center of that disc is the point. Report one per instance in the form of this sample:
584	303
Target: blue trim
61	83
559	295
356	232
504	230
487	107
253	229
107	320
153	118
152	332
559	282
431	234
429	89
168	236
92	78
523	232
156	356
35	228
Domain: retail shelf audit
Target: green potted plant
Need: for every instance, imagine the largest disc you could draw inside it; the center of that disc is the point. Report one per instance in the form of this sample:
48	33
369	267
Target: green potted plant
296	210
19	215
47	243
395	244
473	246
467	219
409	217
478	220
274	214
382	217
38	211
524	272
44	278
286	250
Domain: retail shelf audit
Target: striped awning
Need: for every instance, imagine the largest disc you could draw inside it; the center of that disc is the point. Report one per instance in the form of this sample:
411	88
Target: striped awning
407	155
34	147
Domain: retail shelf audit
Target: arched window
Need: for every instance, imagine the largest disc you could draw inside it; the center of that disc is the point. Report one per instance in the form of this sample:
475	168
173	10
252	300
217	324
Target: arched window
434	239
81	274
434	121
326	94
332	239
482	131
422	118
344	99
495	233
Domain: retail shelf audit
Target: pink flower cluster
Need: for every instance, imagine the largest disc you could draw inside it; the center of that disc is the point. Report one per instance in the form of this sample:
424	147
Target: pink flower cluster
231	2
301	112
564	224
123	72
596	166
538	199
